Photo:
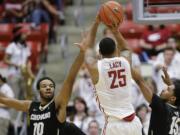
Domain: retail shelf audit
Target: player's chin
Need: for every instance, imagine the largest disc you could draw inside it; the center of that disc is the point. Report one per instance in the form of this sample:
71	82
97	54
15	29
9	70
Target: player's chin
48	96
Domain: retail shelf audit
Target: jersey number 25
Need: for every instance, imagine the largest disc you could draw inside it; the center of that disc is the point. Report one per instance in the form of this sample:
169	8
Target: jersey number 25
117	74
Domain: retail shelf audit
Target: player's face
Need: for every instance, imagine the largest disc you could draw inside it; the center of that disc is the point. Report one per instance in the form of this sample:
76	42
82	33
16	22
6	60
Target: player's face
46	89
167	93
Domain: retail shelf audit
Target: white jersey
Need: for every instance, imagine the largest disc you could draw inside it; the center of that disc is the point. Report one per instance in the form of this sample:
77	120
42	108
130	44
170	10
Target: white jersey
114	86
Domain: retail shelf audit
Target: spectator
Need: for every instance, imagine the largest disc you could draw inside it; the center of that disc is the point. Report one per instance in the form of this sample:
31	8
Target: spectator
45	11
154	39
17	56
15	11
93	128
143	114
80	118
171	64
170	43
4	112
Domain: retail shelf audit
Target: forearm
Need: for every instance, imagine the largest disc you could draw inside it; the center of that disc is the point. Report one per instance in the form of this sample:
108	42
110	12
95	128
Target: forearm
75	67
92	34
66	90
15	104
8	62
121	42
3	106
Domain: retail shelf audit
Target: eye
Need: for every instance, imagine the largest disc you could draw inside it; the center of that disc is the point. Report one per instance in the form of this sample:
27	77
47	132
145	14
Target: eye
51	86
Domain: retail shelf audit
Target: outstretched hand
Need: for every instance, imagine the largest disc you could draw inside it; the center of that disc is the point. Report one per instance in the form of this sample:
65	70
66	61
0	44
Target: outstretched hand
166	79
83	44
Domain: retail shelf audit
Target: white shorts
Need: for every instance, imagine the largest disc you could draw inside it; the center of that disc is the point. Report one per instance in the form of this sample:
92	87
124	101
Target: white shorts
120	127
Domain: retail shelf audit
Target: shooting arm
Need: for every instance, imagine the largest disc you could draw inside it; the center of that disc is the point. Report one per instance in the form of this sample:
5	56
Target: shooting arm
90	58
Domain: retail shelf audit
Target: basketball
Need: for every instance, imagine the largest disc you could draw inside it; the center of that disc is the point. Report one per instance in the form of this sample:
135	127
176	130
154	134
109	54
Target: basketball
111	12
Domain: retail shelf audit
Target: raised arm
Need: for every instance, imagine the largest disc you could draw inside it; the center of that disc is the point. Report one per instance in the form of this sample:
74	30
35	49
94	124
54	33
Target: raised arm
122	46
90	60
61	100
66	89
19	105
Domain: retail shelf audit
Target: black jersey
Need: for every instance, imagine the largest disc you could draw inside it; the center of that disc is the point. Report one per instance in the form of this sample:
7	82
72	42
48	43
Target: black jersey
43	121
164	118
70	129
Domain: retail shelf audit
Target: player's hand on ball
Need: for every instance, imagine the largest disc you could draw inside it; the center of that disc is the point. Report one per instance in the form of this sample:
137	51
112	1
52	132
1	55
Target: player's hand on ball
114	26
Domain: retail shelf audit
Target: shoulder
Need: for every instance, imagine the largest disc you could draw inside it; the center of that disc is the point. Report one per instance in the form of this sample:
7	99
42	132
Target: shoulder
157	103
10	47
33	105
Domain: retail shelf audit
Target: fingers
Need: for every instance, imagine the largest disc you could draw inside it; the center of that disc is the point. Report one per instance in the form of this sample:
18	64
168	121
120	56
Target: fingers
114	22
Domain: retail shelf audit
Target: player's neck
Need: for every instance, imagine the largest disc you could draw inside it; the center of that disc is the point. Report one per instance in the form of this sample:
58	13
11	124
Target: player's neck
109	56
44	102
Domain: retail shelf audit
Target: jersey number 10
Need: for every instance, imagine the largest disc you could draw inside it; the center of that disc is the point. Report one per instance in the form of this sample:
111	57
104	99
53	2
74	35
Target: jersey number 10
38	128
117	74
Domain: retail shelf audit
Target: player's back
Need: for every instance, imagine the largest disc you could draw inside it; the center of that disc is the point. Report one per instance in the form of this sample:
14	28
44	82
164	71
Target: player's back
114	86
43	120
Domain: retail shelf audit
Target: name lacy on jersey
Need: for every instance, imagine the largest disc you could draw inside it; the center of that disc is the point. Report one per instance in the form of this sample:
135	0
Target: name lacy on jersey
40	116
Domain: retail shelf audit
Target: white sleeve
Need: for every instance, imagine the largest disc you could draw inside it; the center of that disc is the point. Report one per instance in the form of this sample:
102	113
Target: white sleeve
10	49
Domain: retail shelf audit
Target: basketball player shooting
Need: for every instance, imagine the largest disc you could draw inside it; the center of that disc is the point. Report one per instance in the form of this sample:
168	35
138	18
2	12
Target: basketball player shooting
111	76
48	116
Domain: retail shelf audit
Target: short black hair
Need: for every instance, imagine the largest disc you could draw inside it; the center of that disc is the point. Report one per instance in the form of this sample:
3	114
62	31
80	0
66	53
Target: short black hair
107	46
44	78
176	83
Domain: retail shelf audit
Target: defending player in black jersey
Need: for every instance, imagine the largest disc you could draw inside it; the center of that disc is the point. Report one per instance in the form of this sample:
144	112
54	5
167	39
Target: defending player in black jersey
165	116
48	116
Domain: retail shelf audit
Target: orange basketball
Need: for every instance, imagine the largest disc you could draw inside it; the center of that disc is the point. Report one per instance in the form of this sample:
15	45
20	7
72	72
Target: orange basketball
110	12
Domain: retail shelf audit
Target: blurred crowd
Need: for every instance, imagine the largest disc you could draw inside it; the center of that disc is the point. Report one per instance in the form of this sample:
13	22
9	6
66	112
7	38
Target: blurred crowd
153	46
34	12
